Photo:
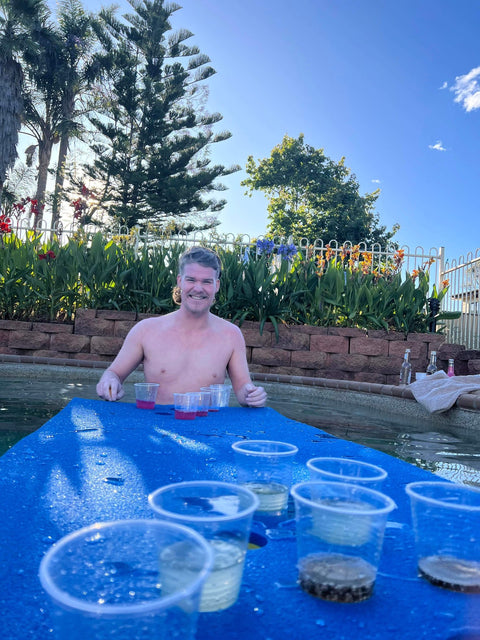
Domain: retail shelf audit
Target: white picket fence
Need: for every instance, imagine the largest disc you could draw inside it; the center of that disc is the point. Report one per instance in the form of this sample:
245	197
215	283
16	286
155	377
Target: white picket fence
463	295
463	274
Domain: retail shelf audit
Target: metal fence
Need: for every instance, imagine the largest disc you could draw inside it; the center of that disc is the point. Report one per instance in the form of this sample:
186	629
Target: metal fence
463	295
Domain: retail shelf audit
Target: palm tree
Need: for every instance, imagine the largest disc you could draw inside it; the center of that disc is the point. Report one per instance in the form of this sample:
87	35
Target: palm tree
19	21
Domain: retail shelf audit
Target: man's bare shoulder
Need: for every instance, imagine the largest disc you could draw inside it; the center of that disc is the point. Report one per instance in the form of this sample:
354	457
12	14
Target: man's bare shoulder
226	327
156	323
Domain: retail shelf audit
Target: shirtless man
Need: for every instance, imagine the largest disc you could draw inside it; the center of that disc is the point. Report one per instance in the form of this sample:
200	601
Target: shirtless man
189	348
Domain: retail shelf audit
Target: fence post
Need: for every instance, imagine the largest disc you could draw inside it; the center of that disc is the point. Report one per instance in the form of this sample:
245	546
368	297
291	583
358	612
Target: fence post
441	268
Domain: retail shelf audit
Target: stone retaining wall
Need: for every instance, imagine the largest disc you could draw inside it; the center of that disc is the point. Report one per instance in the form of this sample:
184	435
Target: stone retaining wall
322	352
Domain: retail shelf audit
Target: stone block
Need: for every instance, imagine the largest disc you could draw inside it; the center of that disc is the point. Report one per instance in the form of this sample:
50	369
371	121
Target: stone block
105	345
271	357
349	362
28	340
418	350
254	339
329	344
385	365
15	325
473	367
369	346
449	350
122	327
89	325
308	359
112	314
368	376
348	332
311	330
70	343
290	339
4	336
52	327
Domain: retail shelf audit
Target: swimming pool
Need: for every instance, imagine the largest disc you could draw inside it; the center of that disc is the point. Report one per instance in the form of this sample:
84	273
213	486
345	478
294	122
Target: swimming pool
431	442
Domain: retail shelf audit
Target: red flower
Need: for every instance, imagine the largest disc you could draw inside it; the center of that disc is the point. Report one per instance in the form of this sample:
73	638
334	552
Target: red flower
5	224
50	255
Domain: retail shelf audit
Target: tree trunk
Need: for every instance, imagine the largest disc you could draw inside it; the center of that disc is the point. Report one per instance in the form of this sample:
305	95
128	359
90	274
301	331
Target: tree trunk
44	155
59	180
11	106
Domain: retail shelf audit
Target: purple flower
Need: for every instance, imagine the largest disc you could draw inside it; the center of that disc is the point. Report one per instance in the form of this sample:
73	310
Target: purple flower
287	251
265	246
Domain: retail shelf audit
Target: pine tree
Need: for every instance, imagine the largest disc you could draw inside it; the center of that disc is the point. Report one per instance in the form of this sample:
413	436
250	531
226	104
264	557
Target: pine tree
152	158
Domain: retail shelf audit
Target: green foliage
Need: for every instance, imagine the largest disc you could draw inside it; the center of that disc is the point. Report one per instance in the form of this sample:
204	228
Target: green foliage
42	280
314	197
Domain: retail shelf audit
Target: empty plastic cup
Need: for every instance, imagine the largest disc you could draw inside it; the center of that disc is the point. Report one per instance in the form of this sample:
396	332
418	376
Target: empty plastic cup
446	522
203	403
346	470
111	580
145	394
222	513
216	396
265	467
340	529
186	405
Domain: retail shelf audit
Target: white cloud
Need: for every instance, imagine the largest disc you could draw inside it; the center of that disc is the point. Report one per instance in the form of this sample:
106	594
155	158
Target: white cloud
444	85
467	90
376	180
438	146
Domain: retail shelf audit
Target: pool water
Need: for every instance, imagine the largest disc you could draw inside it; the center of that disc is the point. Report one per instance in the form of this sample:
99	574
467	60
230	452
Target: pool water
450	452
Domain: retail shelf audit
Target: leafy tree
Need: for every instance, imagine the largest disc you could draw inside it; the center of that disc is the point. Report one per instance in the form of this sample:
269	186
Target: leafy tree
314	197
59	78
18	27
152	158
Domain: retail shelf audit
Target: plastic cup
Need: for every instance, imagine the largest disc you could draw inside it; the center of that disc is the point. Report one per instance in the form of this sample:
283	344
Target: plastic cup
215	397
203	403
265	467
420	375
225	391
145	394
185	405
222	513
346	470
446	523
340	529
108	581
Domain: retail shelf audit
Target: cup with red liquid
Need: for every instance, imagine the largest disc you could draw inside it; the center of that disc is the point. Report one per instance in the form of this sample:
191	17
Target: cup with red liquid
203	403
186	405
146	394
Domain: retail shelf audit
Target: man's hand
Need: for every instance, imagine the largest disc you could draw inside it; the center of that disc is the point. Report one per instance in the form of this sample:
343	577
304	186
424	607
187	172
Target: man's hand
109	387
254	396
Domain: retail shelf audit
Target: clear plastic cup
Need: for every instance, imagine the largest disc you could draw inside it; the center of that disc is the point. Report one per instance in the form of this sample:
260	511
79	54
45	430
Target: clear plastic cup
186	405
265	467
215	396
222	513
108	581
225	390
203	403
346	470
340	529
446	522
146	394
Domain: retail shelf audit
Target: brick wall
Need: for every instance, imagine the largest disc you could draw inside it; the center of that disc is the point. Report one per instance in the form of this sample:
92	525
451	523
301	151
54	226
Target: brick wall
323	352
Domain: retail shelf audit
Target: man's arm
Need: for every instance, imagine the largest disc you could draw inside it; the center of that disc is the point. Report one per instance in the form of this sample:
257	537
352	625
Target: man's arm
248	395
110	385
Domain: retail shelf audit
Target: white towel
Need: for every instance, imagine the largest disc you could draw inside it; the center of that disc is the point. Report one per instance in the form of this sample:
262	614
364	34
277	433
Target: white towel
438	392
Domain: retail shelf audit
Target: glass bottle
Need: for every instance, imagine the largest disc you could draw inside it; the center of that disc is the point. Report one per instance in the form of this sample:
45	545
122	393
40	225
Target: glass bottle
432	366
451	368
406	369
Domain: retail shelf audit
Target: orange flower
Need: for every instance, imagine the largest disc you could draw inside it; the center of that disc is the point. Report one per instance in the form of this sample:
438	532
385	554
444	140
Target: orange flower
445	284
329	252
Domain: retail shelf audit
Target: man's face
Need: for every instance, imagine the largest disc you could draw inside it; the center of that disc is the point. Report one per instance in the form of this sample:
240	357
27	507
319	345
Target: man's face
199	286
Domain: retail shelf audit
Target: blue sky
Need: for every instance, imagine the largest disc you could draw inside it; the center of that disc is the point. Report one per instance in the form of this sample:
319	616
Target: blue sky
392	86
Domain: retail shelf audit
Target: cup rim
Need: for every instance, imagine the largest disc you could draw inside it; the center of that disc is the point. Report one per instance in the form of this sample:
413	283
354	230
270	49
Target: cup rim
413	489
104	610
381	473
146	384
389	504
238	447
233	488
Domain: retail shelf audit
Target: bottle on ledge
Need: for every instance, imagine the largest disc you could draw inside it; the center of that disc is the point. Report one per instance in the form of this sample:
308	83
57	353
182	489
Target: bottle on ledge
432	366
406	369
451	368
